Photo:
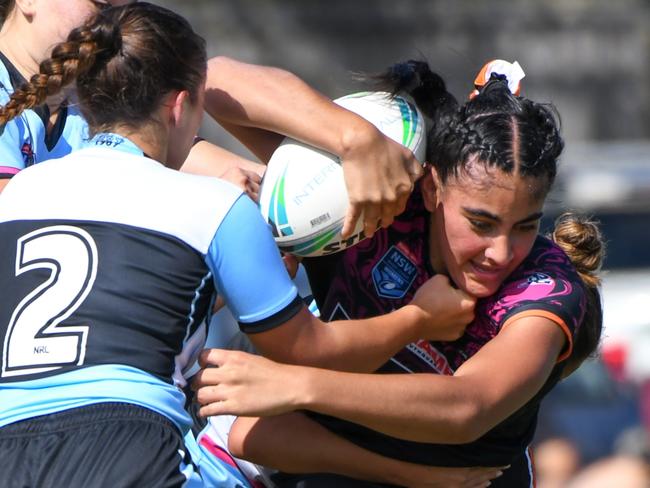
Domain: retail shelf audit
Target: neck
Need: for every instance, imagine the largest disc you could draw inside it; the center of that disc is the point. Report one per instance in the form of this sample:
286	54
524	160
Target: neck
152	140
16	43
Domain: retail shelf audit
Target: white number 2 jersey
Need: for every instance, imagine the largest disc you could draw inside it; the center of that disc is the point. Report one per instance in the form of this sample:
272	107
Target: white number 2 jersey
110	264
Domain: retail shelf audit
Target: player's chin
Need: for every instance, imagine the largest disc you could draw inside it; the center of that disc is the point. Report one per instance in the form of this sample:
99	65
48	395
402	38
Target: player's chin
479	288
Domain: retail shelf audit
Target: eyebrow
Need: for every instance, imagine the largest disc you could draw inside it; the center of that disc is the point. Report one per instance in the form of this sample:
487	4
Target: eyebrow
101	5
477	212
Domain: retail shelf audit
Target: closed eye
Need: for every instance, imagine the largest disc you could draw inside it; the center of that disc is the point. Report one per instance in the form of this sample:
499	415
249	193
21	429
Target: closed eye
529	227
100	5
480	225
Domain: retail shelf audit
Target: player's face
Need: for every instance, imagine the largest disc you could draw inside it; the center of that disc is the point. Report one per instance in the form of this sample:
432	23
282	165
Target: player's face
484	224
61	16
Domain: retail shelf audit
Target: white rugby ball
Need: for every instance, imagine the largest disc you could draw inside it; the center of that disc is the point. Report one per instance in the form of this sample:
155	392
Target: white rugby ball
303	195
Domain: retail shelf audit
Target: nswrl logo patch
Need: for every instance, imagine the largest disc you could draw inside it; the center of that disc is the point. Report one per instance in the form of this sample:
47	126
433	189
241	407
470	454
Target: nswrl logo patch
393	274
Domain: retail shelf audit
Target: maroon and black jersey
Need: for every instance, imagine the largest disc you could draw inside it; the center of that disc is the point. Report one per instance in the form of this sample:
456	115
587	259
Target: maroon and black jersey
381	274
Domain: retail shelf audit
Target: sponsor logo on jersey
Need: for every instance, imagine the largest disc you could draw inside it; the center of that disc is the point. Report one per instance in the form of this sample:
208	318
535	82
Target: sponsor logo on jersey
394	274
431	356
537	279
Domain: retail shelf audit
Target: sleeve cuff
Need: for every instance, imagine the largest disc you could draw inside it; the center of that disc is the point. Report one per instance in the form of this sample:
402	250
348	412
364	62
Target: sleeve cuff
274	320
553	318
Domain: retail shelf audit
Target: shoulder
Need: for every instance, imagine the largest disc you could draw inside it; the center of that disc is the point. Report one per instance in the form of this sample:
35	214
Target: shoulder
127	189
546	283
546	264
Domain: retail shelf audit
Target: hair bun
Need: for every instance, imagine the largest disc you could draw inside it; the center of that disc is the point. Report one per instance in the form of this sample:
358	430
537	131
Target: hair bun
580	238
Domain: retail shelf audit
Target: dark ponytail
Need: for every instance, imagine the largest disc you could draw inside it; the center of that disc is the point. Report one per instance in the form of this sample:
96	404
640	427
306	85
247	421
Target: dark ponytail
580	238
427	89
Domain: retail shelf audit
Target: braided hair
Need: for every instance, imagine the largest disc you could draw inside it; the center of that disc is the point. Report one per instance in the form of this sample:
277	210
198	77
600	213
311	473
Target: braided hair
517	136
124	61
496	128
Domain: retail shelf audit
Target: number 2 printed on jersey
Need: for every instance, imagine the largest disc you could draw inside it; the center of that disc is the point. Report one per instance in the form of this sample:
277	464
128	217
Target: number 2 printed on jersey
36	339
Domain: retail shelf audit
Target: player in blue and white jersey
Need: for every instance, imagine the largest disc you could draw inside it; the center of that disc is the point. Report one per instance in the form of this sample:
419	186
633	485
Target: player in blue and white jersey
105	287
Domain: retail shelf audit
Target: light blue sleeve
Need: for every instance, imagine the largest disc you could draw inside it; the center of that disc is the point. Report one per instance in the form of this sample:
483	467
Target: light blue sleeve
249	271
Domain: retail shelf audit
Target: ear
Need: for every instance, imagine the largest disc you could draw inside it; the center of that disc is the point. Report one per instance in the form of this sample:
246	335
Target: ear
431	187
178	104
26	7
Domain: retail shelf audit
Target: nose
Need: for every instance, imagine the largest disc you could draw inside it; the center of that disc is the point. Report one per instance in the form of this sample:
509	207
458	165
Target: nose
499	252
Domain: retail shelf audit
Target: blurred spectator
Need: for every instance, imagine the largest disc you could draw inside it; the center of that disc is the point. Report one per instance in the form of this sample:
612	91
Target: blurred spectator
591	409
614	471
634	442
556	461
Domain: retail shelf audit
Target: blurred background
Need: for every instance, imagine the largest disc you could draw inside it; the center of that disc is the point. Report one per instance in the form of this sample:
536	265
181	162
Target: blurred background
591	58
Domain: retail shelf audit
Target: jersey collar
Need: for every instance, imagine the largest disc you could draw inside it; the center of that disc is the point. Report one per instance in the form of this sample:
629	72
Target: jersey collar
116	142
15	78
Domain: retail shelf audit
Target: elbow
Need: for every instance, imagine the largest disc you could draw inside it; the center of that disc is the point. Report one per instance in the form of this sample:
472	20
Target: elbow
241	442
467	424
237	441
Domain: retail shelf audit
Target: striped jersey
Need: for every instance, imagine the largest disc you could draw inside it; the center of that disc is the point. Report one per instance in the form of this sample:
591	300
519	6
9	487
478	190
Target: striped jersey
111	263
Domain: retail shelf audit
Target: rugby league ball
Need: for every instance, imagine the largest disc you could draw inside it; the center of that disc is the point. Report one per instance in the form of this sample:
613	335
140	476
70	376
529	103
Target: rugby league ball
303	195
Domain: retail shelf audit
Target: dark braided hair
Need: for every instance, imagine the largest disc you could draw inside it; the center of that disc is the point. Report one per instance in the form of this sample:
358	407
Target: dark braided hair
496	128
124	61
517	136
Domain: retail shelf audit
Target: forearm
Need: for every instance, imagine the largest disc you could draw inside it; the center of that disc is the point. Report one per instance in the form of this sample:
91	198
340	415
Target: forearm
261	142
417	407
242	94
493	384
208	159
427	407
489	387
348	345
293	443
